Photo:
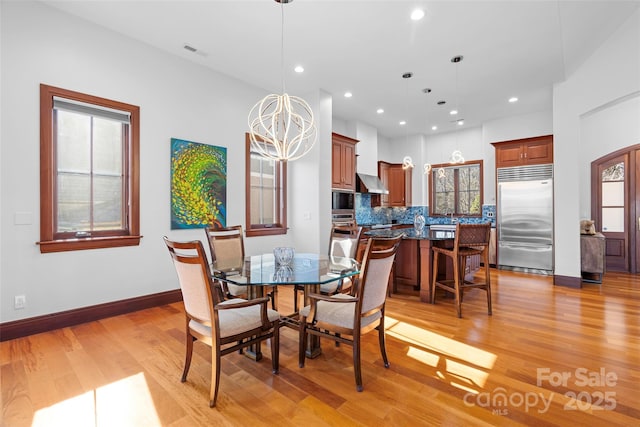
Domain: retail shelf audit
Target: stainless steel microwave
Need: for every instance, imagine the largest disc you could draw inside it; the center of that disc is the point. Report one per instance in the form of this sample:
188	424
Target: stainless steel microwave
342	201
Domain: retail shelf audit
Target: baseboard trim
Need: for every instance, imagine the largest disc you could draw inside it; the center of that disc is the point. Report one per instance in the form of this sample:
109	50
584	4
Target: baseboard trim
63	319
568	281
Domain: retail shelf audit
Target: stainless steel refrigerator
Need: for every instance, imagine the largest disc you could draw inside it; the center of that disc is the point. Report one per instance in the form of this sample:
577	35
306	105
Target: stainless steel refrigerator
525	218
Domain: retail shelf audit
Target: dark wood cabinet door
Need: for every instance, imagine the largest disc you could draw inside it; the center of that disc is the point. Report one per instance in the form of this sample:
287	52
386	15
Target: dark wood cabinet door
349	165
398	181
336	165
396	186
407	263
539	151
529	151
343	162
509	155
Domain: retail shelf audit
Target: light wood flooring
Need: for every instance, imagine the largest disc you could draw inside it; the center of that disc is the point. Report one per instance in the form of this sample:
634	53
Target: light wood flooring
549	356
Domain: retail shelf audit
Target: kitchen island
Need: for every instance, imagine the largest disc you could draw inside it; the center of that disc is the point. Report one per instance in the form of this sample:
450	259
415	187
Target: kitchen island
413	265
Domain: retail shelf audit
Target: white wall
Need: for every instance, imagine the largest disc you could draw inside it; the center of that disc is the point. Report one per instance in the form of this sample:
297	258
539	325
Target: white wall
602	131
611	73
177	99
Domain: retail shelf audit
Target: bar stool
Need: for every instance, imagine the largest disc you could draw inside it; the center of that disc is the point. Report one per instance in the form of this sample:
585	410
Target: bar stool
470	239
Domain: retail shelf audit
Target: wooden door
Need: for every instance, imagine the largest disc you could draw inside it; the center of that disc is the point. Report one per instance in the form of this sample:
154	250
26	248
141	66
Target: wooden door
614	206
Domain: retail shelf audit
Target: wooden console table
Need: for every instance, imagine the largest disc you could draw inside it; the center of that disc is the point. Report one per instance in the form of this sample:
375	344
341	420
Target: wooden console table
592	257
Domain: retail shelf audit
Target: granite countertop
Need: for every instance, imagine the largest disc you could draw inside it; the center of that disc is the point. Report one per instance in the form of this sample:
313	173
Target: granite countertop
410	233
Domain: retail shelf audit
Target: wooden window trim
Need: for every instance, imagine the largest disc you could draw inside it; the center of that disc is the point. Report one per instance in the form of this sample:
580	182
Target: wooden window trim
271	229
432	193
48	243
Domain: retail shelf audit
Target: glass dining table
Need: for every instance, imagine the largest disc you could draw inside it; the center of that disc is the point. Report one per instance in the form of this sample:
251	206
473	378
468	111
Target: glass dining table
309	270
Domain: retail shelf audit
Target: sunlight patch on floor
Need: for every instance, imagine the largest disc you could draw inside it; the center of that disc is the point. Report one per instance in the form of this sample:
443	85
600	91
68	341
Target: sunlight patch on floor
461	365
126	402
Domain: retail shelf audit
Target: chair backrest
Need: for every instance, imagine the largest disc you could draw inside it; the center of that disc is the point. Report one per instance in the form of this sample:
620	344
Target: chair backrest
344	239
227	247
375	271
474	235
190	262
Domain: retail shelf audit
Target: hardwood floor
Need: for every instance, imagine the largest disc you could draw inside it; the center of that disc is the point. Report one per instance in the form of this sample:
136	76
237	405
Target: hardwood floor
549	356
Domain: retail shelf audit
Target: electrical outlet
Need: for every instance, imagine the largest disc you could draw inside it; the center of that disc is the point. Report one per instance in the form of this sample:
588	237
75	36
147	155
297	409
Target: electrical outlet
19	302
489	214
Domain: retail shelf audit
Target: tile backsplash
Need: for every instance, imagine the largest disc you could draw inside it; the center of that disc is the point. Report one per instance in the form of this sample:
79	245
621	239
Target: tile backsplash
365	214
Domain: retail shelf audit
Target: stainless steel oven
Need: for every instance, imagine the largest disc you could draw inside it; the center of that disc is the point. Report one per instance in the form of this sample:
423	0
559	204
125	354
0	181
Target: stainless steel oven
343	218
342	200
342	207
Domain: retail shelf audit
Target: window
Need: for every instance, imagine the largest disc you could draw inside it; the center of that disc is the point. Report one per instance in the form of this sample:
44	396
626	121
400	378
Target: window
89	172
613	195
456	189
266	192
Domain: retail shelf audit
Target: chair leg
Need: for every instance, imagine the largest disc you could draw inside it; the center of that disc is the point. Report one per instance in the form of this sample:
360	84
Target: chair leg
275	348
302	341
357	370
381	339
295	299
189	353
456	284
487	276
463	274
215	376
434	278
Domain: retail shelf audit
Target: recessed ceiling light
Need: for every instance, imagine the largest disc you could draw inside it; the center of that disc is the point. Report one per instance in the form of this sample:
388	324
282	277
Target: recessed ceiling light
348	94
417	14
403	122
434	127
299	69
453	112
379	111
513	99
460	122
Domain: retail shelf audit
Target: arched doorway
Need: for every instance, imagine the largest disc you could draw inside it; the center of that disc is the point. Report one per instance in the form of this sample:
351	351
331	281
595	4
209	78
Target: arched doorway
615	208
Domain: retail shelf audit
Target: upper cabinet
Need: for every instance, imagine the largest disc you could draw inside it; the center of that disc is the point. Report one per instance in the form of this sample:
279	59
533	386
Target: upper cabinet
398	181
343	162
522	152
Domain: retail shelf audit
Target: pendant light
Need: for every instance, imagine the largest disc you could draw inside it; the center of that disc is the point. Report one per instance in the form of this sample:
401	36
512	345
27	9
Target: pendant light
427	166
407	162
282	127
456	155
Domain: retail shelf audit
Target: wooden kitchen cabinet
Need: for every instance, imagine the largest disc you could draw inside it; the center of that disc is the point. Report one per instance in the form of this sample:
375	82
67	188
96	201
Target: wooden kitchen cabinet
398	181
522	152
407	264
343	162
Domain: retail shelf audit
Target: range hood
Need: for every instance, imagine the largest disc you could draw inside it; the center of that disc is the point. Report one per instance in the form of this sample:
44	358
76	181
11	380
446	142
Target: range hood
370	184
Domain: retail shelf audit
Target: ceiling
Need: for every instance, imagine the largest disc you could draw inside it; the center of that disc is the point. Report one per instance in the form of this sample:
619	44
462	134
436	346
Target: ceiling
510	48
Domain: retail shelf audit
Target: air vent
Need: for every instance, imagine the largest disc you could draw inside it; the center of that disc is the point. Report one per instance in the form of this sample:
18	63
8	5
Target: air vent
525	173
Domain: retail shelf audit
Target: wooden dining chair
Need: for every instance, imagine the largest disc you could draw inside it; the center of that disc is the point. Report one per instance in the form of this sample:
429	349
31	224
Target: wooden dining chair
225	326
345	318
226	245
343	243
469	240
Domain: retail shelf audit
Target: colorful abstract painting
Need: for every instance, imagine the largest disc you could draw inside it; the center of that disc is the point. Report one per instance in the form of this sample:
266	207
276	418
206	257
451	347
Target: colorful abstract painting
198	184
